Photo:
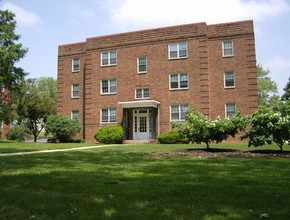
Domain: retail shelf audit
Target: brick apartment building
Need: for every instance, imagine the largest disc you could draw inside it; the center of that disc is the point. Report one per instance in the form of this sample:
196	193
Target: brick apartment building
145	79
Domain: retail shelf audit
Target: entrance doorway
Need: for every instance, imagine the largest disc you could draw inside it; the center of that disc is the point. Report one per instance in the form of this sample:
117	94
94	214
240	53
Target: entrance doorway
141	124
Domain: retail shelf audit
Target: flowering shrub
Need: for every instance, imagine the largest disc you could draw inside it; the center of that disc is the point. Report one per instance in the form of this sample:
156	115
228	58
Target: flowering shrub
198	128
268	126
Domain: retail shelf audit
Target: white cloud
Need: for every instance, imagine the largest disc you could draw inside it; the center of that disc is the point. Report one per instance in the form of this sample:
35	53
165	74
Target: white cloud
164	12
23	17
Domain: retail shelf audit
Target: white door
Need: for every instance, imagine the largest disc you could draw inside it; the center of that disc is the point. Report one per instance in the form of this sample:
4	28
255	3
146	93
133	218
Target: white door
141	125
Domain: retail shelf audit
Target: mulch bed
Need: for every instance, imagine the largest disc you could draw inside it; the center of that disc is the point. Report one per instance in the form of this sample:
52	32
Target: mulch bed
222	153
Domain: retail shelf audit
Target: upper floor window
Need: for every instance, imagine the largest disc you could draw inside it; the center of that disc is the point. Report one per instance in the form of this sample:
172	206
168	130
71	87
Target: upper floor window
177	50
108	115
178	81
75	115
109	86
178	112
229	79
230	109
109	58
142	64
228	48
75	90
75	64
142	93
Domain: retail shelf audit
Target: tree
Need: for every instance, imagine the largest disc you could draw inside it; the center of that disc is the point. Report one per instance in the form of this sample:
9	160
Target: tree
62	127
286	95
11	77
198	128
268	126
267	88
38	101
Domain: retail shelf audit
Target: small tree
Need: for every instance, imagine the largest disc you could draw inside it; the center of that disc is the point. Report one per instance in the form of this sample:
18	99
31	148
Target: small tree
198	128
268	126
62	127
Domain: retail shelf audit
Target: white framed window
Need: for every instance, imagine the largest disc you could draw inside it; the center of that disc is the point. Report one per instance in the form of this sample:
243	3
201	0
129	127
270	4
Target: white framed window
178	112
228	48
142	93
230	109
75	64
108	115
177	50
109	58
75	90
108	86
178	81
75	115
229	79
142	65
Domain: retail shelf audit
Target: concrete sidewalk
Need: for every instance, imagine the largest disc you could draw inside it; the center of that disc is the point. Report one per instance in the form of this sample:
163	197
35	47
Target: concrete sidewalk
53	151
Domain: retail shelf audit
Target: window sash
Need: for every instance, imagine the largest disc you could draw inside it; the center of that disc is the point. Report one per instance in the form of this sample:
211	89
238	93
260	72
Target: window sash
229	78
178	112
230	109
75	64
228	49
179	81
142	64
108	58
75	115
75	91
177	50
109	115
109	86
142	93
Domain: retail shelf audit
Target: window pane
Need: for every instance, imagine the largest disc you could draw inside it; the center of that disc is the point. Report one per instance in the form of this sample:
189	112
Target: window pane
113	115
113	57
113	86
138	93
229	79
228	48
142	64
105	58
75	90
183	81
174	112
75	115
183	109
182	49
76	64
174	81
146	93
105	86
105	115
230	109
173	50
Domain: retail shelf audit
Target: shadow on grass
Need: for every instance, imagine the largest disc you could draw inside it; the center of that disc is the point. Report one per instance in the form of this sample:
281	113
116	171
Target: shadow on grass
115	184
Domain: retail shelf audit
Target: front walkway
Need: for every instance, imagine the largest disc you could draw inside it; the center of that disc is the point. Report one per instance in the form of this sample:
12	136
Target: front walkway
53	151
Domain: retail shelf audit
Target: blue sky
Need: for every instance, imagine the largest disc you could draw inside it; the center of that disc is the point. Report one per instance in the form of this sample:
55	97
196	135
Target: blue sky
44	25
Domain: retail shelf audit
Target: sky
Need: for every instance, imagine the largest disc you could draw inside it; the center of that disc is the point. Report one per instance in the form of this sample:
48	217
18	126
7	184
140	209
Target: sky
46	24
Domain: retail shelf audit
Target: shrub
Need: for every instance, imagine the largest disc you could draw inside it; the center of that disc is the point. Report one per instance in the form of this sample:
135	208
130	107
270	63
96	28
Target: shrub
17	133
111	134
172	137
62	127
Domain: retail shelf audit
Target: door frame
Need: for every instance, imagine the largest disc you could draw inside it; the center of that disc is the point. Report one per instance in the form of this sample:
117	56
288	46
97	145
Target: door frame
137	114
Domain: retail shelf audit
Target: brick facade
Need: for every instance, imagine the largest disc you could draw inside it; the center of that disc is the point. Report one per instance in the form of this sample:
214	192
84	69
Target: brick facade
204	66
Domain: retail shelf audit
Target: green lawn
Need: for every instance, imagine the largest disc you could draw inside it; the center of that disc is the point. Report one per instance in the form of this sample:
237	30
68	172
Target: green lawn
122	182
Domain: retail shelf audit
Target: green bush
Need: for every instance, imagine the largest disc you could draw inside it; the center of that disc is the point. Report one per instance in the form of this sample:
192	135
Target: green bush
111	134
62	127
172	137
17	133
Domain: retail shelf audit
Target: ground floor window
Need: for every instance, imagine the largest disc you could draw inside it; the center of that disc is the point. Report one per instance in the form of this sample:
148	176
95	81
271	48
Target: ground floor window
230	109
178	112
108	115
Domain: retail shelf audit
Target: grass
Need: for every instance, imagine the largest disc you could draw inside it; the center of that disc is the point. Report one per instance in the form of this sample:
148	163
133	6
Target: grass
13	146
122	182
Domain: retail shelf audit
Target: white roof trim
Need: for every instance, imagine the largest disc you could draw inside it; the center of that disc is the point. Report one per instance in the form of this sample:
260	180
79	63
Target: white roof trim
139	104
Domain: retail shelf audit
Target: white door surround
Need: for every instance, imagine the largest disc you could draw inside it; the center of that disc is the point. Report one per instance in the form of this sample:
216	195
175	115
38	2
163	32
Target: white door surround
141	124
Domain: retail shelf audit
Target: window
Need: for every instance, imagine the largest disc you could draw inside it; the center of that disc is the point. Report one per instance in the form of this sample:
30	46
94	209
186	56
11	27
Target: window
178	112
75	64
177	50
230	109
75	115
75	91
109	86
108	115
142	64
229	79
228	48
178	81
109	58
142	93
